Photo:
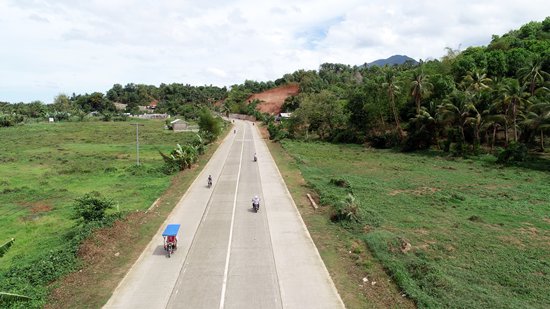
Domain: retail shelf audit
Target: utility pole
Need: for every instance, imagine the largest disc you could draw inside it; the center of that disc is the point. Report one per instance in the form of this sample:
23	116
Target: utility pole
137	139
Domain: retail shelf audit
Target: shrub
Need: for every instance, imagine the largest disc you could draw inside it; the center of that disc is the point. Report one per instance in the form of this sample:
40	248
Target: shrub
384	140
347	210
92	207
515	152
340	182
180	158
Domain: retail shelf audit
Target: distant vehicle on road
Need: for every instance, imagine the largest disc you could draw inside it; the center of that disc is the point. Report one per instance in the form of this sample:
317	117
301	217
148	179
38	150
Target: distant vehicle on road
170	236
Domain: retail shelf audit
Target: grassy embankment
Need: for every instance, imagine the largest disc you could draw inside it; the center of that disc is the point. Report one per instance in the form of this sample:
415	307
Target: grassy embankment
452	233
44	167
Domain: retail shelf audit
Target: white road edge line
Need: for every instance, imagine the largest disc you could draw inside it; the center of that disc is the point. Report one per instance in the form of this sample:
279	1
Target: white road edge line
224	285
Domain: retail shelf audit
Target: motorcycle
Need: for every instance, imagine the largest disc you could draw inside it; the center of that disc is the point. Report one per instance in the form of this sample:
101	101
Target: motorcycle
255	158
209	183
256	206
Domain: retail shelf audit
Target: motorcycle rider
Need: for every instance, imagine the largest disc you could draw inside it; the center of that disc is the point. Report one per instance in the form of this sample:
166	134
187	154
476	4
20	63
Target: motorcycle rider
255	158
209	180
256	202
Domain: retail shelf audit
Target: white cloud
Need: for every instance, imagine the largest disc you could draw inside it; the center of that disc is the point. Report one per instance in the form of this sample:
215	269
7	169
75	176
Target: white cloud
88	45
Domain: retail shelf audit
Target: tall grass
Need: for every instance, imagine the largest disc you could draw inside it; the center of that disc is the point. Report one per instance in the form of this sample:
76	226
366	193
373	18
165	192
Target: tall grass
45	167
452	233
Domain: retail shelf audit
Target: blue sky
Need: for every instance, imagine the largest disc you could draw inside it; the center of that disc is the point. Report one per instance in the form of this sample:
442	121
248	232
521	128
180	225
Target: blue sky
82	46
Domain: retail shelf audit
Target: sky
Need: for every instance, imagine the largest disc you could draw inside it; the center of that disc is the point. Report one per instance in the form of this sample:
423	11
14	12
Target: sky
81	46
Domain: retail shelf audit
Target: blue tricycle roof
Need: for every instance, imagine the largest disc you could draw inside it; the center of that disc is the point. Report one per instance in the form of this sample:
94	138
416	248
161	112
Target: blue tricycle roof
171	230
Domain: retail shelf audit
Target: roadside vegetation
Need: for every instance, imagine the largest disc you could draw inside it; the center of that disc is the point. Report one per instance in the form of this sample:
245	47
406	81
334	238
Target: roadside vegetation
451	233
61	182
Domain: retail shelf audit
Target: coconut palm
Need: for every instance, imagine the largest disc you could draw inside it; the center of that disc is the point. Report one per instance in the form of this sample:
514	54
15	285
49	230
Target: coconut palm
457	109
392	88
538	119
492	122
514	97
420	88
476	81
533	75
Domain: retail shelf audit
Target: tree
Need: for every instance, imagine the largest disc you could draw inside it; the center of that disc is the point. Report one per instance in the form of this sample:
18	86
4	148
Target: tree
514	96
62	103
456	110
496	63
476	81
320	112
209	127
392	88
532	75
420	88
538	119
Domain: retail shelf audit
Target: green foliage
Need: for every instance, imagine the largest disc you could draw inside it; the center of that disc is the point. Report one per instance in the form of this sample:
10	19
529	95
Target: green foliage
515	152
451	232
347	210
10	120
209	126
384	140
48	166
181	158
92	207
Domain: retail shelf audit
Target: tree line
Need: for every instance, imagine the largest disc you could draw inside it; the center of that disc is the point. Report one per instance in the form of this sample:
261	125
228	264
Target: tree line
174	99
495	95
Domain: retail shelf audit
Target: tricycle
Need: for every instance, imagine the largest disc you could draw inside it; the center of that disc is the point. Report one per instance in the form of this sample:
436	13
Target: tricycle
170	236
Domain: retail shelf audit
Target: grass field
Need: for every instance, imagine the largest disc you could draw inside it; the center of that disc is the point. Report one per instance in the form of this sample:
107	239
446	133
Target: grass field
44	167
452	233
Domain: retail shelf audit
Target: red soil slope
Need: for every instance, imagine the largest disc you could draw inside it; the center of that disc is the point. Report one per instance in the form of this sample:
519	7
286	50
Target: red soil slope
272	100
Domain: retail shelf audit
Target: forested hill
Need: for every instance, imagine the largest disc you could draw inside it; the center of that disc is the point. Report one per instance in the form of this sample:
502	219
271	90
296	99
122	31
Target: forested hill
466	102
393	60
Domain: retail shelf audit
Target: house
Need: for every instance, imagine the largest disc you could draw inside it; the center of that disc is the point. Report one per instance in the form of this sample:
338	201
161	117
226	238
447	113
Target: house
179	125
283	116
153	104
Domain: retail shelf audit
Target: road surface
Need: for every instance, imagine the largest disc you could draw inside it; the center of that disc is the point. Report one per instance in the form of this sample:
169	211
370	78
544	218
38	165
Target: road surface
228	256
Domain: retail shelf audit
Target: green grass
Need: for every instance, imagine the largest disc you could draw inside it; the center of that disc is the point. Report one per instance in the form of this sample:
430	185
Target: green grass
44	167
479	232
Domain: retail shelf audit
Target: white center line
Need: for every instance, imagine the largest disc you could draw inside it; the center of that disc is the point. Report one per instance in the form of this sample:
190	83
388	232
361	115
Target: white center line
224	285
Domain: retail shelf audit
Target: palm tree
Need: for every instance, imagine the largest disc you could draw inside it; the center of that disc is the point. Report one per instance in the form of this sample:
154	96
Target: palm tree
476	81
392	88
514	96
420	88
456	109
532	75
494	122
538	119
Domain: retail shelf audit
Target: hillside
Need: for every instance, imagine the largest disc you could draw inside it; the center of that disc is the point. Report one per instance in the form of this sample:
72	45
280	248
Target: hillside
393	60
272	100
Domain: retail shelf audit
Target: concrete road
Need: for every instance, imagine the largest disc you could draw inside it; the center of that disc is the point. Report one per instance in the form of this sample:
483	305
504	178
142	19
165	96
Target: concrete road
228	256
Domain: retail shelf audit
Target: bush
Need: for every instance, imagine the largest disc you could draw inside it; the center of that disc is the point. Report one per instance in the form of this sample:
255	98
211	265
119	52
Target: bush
515	152
384	140
181	158
10	120
347	210
92	207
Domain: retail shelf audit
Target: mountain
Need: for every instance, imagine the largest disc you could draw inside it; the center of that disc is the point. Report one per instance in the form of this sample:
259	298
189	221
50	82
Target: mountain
395	59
